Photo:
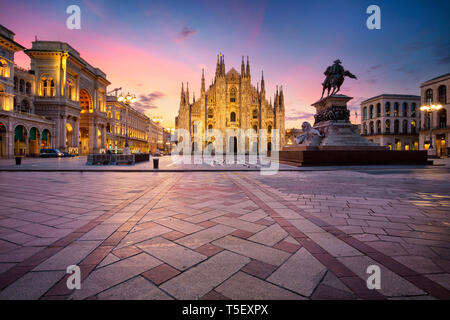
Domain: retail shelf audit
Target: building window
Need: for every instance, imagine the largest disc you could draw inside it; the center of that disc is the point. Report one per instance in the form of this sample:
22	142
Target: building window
16	84
269	129
413	126
365	128
378	110
4	69
442	116
371	112
210	113
28	88
429	96
233	94
413	110
404	109
47	87
387	109
22	85
405	127
442	94
365	113
255	114
396	126
396	114
371	127
387	126
379	127
233	117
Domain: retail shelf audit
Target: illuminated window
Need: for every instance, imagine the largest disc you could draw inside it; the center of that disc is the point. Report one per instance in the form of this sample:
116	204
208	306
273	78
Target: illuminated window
429	96
387	109
233	94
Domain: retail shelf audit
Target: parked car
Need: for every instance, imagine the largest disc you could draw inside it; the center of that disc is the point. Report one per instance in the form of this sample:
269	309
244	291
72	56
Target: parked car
66	154
50	153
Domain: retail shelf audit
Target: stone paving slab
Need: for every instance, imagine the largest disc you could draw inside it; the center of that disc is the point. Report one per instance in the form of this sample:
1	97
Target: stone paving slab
198	281
177	256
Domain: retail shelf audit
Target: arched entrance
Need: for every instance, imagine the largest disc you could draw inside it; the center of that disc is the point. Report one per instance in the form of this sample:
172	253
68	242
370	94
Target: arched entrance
46	142
69	136
20	141
2	140
232	146
33	142
86	101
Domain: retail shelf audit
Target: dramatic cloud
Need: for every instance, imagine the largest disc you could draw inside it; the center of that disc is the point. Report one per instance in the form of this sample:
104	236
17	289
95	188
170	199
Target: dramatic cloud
146	102
185	33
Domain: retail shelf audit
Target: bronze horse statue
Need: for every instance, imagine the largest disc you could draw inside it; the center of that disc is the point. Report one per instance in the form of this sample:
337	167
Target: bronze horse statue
335	78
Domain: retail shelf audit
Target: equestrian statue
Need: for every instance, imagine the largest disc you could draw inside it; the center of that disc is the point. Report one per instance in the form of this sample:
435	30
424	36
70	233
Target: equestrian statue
335	75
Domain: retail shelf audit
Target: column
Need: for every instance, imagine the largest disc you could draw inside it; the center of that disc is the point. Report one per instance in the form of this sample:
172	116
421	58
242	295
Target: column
76	132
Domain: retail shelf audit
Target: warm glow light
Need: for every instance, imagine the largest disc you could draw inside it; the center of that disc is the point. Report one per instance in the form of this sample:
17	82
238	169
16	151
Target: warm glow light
430	108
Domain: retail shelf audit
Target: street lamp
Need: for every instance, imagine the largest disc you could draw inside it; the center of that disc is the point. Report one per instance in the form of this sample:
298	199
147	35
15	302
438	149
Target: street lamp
429	108
127	100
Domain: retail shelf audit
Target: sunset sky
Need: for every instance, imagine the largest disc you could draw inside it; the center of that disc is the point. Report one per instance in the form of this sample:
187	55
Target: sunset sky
150	47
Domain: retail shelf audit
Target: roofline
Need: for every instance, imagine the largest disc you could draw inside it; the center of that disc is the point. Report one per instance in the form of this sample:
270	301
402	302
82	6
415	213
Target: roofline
392	95
434	79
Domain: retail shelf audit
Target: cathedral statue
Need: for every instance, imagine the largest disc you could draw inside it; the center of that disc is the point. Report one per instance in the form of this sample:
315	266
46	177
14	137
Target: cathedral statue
335	75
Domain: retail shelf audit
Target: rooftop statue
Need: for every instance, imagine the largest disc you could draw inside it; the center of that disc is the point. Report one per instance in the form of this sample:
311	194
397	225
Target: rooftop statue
335	75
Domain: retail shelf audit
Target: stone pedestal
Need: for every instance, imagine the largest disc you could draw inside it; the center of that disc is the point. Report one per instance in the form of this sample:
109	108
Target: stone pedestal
340	143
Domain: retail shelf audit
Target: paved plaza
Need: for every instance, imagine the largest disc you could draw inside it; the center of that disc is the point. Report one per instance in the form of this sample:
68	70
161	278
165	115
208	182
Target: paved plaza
226	235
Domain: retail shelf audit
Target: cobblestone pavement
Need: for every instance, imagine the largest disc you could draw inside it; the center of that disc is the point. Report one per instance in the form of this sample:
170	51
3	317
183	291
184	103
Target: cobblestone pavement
225	235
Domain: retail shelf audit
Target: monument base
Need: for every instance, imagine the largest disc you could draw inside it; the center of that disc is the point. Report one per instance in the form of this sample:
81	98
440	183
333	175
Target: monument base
335	141
338	156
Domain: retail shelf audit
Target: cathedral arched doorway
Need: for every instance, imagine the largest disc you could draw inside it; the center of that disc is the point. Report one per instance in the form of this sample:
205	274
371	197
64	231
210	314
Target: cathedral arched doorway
20	141
194	147
232	146
33	142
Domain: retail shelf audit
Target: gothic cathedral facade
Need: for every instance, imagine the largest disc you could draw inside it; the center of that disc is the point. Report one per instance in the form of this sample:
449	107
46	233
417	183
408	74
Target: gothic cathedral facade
231	102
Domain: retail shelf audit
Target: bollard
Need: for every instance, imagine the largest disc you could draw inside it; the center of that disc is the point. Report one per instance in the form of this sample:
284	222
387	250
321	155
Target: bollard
18	161
155	163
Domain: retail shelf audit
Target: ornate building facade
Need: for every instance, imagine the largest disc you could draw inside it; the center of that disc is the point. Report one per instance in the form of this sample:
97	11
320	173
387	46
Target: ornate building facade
231	102
123	120
392	120
22	130
434	91
60	103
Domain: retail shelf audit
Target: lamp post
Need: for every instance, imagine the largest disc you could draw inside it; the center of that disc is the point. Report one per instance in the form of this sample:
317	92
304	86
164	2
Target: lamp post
127	100
429	109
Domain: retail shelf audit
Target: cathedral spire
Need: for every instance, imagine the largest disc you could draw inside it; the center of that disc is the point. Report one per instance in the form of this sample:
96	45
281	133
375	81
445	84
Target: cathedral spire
182	97
187	93
263	87
218	67
243	68
203	82
281	98
223	65
248	68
